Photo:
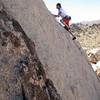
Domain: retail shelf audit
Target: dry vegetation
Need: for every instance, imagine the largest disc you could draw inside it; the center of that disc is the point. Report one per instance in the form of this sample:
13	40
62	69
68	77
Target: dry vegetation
88	35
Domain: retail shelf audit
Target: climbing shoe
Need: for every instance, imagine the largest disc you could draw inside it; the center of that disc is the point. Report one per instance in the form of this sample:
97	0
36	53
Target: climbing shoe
74	38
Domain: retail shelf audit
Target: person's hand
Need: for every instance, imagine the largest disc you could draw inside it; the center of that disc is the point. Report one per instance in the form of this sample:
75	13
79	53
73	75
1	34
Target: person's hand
55	15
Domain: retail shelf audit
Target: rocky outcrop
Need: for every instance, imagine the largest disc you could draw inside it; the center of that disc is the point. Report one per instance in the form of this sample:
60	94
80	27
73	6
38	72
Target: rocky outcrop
98	72
52	68
92	58
98	55
87	34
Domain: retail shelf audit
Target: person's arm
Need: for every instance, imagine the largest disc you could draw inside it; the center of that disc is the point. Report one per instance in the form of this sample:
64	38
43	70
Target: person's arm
56	15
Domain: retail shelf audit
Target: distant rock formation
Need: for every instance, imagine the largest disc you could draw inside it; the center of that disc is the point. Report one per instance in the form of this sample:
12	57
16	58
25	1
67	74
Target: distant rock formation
94	59
87	34
98	55
38	59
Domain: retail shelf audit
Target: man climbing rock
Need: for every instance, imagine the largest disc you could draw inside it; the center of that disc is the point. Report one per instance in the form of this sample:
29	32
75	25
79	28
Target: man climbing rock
65	18
61	13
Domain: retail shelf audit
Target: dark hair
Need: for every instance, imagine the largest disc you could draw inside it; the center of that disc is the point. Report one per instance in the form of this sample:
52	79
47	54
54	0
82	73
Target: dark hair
58	4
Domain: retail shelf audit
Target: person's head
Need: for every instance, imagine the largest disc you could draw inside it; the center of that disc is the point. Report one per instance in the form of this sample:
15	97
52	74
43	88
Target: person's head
58	5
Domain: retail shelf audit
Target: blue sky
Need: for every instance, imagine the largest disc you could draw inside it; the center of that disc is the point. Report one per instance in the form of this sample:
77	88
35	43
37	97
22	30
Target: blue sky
79	10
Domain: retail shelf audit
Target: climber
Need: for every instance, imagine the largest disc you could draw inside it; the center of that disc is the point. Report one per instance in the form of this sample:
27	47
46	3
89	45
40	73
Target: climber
65	18
61	13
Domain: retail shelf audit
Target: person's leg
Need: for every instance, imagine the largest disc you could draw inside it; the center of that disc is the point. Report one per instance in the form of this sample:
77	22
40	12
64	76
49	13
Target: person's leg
66	27
66	21
62	21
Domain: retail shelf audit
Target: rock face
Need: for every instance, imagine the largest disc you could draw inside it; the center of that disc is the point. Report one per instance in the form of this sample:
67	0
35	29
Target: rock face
22	76
52	68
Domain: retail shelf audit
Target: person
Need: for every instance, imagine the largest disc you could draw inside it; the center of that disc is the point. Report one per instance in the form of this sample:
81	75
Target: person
61	13
65	18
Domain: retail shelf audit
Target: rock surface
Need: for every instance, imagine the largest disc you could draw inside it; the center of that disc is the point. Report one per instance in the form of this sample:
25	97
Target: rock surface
56	70
22	76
